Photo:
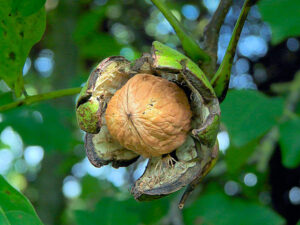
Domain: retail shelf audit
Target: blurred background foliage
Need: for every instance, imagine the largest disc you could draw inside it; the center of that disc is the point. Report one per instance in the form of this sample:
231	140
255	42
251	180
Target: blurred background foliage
257	177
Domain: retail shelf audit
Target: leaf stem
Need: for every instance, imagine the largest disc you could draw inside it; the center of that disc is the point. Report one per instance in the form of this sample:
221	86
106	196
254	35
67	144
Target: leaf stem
220	81
211	36
189	45
40	97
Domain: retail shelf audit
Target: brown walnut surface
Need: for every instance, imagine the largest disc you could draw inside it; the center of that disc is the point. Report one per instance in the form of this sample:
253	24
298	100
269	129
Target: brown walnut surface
149	115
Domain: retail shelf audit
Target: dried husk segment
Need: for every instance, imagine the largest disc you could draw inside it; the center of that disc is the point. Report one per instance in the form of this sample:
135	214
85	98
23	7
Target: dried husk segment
101	149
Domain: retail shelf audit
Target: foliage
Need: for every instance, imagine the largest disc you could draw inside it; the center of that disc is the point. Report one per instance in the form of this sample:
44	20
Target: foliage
290	143
129	212
237	157
249	114
22	25
15	209
91	40
217	208
283	17
79	34
43	118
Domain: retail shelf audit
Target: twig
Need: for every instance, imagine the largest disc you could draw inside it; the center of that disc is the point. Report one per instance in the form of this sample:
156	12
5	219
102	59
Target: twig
220	81
41	97
294	94
268	144
280	88
189	45
210	157
191	187
265	149
174	215
211	36
186	194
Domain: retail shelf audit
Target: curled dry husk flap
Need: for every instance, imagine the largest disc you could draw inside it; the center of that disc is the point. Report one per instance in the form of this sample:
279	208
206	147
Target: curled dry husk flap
193	159
101	149
199	152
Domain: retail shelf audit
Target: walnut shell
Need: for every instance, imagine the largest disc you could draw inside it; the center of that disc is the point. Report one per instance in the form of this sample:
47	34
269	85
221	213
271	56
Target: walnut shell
149	115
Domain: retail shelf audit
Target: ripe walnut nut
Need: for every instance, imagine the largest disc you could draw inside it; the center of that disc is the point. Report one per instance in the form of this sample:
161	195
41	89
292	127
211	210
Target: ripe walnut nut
149	115
160	107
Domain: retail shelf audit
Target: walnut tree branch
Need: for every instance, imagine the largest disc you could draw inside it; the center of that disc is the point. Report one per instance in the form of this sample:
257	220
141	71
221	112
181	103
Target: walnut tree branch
220	80
211	36
41	97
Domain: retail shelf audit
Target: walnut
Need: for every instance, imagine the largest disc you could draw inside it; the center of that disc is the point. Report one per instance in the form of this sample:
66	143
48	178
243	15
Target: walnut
161	107
149	115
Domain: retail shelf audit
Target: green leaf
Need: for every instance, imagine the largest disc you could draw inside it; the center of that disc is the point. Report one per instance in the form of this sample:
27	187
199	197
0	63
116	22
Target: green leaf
99	45
283	17
236	157
290	143
249	114
22	218
152	212
217	208
21	26
88	23
92	43
43	125
5	98
15	209
109	212
129	212
27	7
94	189
3	218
